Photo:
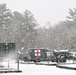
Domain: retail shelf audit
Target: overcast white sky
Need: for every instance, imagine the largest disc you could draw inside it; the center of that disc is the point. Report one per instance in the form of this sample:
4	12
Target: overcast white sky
43	10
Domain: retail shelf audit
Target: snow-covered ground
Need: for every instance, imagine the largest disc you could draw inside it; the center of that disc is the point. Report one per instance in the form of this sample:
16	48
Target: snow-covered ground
70	63
32	69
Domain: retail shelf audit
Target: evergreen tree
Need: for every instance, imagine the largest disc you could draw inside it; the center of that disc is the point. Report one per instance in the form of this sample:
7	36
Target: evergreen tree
25	31
5	22
71	26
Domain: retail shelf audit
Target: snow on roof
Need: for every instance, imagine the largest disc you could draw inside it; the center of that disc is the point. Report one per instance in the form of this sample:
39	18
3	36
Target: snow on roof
61	50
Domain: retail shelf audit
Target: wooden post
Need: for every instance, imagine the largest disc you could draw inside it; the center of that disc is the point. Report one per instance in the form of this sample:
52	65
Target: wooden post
17	64
18	60
1	63
8	63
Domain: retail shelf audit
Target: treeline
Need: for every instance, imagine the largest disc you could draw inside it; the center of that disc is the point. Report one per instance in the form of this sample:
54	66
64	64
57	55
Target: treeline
22	29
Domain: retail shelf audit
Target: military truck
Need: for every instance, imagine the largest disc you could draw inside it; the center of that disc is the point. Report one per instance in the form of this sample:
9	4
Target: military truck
38	55
59	55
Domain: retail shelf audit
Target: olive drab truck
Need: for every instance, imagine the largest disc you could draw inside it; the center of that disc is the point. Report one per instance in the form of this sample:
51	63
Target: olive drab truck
59	55
38	55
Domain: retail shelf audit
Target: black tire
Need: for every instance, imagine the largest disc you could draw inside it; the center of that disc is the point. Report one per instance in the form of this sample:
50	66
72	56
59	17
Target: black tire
26	59
52	60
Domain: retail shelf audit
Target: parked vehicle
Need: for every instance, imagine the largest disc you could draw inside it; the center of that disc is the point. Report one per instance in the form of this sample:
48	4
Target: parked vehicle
38	55
59	55
35	55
